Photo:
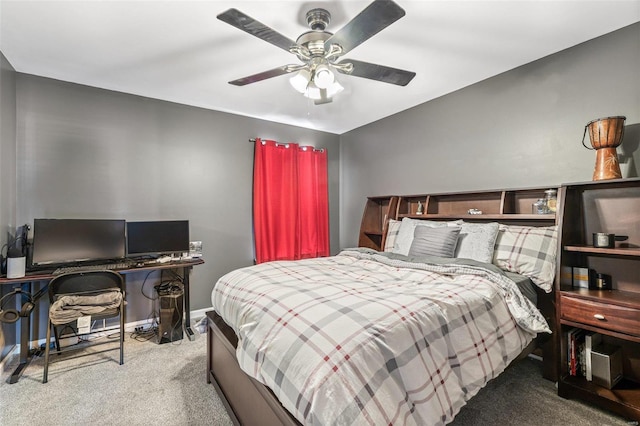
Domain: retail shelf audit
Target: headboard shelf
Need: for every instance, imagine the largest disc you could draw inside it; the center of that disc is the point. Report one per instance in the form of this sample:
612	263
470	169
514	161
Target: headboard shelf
512	206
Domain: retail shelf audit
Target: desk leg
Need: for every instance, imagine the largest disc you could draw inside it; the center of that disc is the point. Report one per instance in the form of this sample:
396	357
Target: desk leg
25	328
25	325
187	305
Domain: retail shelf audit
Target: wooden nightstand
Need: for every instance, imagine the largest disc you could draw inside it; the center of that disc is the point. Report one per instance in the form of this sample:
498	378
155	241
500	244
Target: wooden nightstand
586	208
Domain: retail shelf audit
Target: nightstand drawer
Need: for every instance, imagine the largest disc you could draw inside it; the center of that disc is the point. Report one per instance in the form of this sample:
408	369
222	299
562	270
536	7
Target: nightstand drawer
603	315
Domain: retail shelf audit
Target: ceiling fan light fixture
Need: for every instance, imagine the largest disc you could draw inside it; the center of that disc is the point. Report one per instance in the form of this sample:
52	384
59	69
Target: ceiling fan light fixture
313	92
303	83
334	89
300	81
323	77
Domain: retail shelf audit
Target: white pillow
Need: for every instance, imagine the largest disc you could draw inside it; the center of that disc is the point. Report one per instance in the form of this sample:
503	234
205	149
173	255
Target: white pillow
404	238
477	241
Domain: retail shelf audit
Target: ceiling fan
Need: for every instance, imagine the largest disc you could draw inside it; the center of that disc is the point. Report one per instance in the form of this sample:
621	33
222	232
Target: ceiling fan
320	51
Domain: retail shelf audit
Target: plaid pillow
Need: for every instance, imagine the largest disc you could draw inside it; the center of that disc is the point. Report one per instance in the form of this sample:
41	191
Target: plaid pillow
529	251
392	232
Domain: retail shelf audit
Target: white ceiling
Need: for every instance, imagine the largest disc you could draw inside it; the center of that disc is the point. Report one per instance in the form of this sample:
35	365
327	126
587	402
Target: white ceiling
178	51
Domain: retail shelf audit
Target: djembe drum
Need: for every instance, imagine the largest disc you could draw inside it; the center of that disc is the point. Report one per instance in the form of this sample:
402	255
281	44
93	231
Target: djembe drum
606	135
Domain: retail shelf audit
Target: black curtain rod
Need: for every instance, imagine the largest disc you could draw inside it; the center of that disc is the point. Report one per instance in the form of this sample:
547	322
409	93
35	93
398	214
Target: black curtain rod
315	149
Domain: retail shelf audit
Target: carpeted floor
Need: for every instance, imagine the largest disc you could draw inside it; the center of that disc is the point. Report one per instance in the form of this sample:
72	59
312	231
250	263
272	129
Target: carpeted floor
157	384
520	396
166	385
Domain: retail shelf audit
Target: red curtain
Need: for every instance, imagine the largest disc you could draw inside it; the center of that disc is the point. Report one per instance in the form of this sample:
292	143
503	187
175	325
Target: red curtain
290	201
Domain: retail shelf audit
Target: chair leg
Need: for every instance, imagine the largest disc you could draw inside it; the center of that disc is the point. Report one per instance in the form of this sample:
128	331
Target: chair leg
121	335
57	337
47	344
121	338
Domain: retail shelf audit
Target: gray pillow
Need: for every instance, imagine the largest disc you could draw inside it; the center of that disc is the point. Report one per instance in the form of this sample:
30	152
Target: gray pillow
403	240
439	242
477	241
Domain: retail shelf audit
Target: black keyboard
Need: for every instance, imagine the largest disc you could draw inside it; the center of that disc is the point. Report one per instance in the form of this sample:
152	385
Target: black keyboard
86	268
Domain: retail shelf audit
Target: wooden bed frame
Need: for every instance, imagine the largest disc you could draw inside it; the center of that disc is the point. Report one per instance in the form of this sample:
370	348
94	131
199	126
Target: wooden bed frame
249	402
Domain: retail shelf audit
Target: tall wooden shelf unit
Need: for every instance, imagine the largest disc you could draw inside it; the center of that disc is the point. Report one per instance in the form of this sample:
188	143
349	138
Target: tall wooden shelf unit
610	207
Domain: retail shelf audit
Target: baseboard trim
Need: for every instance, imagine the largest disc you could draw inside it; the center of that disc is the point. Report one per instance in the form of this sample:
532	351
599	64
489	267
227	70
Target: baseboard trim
128	327
200	313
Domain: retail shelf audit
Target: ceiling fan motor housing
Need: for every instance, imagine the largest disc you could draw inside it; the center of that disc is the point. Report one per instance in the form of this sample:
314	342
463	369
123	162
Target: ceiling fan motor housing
314	41
318	19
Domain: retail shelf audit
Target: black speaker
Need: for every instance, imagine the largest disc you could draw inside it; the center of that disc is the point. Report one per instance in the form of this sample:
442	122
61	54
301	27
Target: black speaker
171	312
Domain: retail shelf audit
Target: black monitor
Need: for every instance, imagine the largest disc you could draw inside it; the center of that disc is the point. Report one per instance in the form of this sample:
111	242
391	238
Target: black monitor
157	237
63	241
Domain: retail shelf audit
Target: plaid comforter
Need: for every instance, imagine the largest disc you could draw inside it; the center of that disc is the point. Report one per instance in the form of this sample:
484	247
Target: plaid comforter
364	338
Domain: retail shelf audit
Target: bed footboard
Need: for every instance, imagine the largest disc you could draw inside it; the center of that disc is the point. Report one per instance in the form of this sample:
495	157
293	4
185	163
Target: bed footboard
247	401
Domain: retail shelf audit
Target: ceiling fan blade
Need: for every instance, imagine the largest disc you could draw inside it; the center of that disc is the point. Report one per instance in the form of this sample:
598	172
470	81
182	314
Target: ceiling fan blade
378	72
373	19
261	76
255	28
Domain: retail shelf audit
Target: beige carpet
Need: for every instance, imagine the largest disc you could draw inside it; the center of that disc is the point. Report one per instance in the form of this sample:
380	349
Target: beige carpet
157	384
166	385
520	396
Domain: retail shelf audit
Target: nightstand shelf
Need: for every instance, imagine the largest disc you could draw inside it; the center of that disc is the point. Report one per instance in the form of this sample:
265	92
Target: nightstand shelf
623	399
610	207
616	251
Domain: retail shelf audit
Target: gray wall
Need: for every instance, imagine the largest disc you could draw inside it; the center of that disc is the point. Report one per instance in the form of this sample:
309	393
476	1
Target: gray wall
7	180
522	128
90	153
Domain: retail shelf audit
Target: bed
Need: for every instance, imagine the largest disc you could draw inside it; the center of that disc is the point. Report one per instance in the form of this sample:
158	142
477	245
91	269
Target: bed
402	336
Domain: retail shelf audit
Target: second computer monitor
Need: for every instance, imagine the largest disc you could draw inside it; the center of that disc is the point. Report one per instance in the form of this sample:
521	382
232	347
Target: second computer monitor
154	238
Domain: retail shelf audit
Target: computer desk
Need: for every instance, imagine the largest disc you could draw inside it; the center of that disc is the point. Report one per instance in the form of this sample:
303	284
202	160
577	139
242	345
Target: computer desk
44	277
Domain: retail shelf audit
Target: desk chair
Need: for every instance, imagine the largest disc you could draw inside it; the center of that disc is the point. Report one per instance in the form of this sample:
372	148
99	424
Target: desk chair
99	294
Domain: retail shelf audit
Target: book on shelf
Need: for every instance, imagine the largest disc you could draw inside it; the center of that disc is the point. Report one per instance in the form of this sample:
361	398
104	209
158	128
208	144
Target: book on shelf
576	356
591	340
576	277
